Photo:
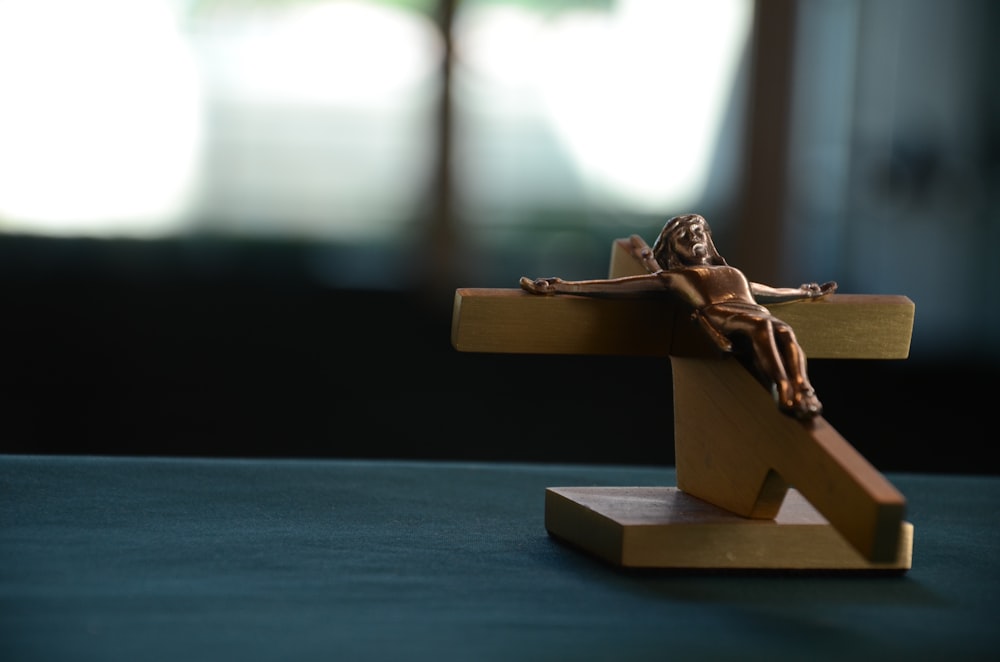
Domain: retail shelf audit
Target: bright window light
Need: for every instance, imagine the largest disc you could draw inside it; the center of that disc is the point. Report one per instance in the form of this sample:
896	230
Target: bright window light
346	54
631	99
322	118
148	118
316	119
100	118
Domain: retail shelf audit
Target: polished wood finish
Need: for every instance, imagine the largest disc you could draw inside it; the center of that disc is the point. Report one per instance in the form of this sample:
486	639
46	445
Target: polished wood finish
840	326
734	449
663	527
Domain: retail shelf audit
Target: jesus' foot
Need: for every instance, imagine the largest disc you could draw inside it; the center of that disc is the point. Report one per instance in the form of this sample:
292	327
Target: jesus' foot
803	404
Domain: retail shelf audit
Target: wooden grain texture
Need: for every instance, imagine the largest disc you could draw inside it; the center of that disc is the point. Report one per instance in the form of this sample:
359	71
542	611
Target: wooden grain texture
509	320
663	527
512	321
841	326
734	449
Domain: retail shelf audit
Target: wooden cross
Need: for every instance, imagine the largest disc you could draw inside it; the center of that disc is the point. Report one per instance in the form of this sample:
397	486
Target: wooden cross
756	489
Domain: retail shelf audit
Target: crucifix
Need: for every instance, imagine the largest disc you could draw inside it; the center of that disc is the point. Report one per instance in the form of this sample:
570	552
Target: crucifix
763	480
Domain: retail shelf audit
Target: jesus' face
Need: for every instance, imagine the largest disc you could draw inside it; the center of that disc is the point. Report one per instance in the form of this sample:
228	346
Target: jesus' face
685	240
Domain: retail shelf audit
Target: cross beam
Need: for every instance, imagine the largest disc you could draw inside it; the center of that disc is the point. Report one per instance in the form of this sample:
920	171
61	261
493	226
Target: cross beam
512	321
733	448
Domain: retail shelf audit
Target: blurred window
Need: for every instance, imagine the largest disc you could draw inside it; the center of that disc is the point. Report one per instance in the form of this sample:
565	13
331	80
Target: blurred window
160	117
602	105
100	117
319	118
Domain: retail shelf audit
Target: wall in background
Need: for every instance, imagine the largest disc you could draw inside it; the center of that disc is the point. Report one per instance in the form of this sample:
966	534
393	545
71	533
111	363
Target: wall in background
282	340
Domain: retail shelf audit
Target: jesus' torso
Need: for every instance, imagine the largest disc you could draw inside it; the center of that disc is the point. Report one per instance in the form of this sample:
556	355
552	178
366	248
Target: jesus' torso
708	284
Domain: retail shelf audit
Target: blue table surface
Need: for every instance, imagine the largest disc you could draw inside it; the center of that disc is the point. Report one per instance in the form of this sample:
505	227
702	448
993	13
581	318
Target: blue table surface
223	559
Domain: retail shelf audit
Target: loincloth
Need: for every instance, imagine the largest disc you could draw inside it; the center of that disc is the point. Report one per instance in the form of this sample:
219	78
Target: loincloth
730	308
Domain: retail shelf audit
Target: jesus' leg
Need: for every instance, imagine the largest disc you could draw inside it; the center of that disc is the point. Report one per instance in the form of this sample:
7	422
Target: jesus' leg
804	403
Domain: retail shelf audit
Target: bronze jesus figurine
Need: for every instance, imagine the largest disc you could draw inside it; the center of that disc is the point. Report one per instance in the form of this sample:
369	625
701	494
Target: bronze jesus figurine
684	261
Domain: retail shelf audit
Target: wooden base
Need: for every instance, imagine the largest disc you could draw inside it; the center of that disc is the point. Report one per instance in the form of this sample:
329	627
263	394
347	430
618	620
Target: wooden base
663	527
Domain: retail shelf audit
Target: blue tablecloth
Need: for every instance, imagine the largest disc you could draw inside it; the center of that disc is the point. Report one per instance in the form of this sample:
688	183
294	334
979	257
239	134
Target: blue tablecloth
145	559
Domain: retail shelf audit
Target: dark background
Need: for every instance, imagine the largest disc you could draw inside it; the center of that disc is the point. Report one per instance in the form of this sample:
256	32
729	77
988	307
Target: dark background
226	347
261	360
